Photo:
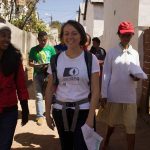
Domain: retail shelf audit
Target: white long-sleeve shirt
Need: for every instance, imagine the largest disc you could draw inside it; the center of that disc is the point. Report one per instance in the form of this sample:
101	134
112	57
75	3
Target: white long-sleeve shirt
117	85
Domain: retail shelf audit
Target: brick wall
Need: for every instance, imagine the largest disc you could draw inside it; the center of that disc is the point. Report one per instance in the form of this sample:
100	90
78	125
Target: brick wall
146	68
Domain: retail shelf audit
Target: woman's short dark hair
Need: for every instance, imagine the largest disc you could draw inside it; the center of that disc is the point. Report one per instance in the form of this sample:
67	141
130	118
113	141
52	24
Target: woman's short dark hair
78	27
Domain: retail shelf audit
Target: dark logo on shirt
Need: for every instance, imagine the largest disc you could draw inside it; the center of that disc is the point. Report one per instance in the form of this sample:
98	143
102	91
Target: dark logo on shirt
71	72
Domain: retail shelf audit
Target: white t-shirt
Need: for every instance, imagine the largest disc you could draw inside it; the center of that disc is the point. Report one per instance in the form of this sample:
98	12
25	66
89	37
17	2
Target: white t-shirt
117	85
73	78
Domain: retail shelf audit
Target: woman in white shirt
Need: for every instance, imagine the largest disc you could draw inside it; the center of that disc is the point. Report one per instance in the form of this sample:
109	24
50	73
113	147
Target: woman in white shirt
118	86
73	87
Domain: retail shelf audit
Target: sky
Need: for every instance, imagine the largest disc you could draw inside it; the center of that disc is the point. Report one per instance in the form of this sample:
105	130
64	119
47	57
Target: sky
58	10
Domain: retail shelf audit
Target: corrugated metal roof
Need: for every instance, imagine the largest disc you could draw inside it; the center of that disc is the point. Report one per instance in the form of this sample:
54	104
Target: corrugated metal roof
101	1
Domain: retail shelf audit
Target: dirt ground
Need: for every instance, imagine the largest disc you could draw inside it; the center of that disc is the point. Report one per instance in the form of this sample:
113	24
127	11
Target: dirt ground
36	137
32	136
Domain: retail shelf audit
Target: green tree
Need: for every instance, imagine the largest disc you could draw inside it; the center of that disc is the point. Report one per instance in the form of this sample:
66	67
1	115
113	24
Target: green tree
28	21
33	24
8	8
56	24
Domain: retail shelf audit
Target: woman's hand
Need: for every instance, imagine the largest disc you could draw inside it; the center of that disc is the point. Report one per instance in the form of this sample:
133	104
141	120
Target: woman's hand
50	122
90	122
25	112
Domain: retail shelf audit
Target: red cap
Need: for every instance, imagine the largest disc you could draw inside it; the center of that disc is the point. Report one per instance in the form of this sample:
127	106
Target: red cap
126	27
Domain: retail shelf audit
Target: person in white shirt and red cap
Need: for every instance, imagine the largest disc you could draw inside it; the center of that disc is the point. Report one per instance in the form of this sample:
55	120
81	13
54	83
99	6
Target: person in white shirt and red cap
118	87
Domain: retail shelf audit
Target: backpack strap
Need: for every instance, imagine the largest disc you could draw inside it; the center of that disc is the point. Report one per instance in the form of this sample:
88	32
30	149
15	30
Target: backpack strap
88	60
53	63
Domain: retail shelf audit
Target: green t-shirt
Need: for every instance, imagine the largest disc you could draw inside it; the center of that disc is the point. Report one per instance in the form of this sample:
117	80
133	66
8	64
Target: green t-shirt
41	55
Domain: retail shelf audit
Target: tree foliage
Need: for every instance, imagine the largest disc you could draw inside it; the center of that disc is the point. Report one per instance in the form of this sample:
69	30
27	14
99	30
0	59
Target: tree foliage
8	6
56	24
33	24
28	21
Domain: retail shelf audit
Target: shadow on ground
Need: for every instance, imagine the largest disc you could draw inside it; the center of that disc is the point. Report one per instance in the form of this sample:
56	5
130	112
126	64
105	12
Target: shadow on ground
30	141
31	116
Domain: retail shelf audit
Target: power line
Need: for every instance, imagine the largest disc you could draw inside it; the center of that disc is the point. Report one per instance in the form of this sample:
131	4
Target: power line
56	10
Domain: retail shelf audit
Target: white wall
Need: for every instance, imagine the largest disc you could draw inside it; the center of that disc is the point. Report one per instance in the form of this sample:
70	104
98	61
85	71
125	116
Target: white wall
144	13
81	15
95	19
89	19
98	11
98	28
22	40
116	11
98	20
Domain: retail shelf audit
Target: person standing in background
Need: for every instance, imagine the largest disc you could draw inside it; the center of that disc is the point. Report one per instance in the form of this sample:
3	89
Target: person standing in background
118	87
60	47
39	58
100	53
12	88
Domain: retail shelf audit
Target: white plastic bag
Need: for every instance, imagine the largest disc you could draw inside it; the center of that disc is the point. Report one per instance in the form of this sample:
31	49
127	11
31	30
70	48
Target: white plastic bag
91	138
137	71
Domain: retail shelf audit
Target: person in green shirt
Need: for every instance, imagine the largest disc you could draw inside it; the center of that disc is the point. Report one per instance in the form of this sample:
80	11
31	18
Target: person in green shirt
39	58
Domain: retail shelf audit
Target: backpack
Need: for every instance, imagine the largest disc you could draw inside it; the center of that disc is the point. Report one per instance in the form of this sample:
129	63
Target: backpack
53	63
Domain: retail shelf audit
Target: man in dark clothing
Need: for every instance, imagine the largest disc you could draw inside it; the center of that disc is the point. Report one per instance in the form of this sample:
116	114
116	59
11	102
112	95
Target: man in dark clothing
60	47
99	52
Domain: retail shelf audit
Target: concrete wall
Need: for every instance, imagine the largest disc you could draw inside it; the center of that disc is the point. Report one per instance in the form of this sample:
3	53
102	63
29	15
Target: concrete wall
94	19
98	20
22	40
89	19
82	21
144	13
81	13
98	28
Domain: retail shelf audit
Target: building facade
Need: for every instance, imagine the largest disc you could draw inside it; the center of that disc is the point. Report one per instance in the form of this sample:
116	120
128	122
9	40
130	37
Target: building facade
91	16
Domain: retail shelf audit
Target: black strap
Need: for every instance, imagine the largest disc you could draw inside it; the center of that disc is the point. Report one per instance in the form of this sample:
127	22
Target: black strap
88	60
53	63
76	112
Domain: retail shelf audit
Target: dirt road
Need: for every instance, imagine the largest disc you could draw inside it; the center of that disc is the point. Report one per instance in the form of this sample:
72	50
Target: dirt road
36	137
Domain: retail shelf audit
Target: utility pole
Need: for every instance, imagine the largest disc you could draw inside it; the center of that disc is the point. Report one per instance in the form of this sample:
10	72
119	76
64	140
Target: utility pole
12	8
51	18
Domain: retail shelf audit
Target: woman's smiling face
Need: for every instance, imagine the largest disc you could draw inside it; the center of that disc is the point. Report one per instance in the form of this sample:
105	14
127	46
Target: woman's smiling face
71	36
5	38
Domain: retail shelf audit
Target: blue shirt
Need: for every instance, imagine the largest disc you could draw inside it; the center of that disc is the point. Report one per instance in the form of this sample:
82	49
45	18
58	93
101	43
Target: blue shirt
60	47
